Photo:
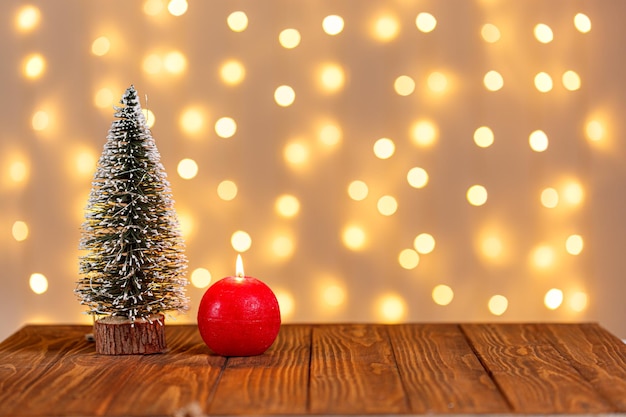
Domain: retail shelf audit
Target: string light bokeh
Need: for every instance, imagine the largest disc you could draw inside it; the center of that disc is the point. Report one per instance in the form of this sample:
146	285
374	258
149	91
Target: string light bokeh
373	161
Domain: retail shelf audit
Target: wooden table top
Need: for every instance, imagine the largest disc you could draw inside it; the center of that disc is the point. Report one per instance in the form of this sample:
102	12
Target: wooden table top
335	369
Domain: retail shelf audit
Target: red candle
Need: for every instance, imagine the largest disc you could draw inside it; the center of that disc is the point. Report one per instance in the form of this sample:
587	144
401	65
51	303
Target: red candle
239	316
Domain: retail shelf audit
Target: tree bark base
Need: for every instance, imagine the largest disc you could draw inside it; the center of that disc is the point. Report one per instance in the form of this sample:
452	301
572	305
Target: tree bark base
118	336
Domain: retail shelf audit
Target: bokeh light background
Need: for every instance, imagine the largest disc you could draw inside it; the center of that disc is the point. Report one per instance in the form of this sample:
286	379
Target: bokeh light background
373	161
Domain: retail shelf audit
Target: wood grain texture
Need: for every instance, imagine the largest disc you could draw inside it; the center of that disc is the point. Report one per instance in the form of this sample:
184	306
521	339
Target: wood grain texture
532	374
347	369
118	336
353	371
599	356
165	384
276	382
53	373
439	369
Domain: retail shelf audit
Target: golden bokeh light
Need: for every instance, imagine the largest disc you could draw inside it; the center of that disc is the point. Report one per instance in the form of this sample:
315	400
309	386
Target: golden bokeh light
177	7
333	295
227	190
19	170
498	304
543	257
425	22
40	120
543	82
289	38
283	246
408	259
578	301
424	133
333	25
417	177
582	23
353	237
424	243
476	195
383	163
404	85
595	130
571	80
104	98
543	33
490	33
152	64
493	81
330	135
150	117
549	197
574	244
358	190
187	224
386	28
84	161
491	247
442	295
286	303
232	72
101	46
38	283
34	66
572	193
284	96
483	137
553	299
437	82
387	205
153	7
390	308
384	148
240	241
287	206
538	141
27	18
237	21
225	127
187	168
175	62
296	154
19	230
200	278
331	78
192	121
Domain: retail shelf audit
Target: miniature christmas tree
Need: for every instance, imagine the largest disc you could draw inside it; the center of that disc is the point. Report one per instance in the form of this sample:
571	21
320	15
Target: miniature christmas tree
134	268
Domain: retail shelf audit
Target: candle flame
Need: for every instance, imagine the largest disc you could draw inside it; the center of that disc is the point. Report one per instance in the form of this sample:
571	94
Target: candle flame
239	267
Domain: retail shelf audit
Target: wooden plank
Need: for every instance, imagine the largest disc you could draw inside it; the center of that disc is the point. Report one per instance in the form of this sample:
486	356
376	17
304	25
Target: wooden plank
164	384
599	356
532	374
54	373
273	383
353	371
441	373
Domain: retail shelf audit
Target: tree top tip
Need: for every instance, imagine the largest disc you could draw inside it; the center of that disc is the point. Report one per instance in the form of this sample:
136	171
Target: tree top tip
130	96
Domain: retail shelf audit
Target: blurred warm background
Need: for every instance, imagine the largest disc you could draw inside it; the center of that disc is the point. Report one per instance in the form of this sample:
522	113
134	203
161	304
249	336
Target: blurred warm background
380	161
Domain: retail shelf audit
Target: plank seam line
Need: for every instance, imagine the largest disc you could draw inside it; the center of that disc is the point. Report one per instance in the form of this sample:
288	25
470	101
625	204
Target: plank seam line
308	388
407	402
576	366
217	383
468	340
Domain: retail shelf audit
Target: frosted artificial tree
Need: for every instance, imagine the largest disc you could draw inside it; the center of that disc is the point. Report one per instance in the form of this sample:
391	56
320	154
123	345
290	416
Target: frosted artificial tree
134	267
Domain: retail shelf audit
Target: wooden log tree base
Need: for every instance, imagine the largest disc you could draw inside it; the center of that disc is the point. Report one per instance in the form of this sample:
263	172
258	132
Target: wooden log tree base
118	336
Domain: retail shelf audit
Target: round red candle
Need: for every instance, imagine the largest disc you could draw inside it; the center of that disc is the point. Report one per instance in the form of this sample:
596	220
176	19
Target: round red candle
239	316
